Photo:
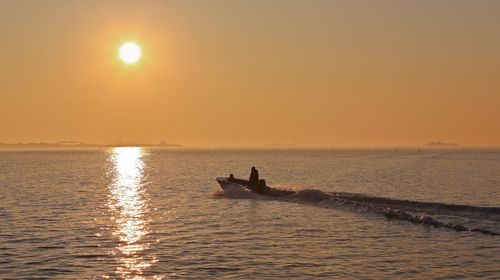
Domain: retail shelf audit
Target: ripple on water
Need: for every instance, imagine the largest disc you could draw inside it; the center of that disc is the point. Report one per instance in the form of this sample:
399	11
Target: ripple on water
129	213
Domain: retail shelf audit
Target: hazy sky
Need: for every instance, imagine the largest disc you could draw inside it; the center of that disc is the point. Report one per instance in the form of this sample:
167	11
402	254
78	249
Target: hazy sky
249	73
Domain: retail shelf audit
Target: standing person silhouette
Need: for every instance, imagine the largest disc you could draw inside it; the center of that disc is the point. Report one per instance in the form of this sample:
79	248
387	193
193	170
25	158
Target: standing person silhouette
254	177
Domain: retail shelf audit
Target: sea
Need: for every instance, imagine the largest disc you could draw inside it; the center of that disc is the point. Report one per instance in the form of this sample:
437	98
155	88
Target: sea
142	213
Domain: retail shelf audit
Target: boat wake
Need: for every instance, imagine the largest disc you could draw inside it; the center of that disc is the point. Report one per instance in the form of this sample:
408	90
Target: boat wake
485	220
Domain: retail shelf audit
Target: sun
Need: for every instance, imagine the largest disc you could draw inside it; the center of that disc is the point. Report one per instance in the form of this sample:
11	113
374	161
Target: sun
130	52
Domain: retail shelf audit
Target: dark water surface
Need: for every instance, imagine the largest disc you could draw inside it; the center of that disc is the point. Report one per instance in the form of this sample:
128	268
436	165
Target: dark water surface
136	213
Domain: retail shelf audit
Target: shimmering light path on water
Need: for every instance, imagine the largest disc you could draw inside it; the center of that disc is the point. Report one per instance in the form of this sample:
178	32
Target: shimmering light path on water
134	213
128	202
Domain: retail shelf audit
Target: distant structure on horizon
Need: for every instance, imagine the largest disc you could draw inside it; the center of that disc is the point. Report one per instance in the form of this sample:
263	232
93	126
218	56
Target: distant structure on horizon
441	144
74	144
167	145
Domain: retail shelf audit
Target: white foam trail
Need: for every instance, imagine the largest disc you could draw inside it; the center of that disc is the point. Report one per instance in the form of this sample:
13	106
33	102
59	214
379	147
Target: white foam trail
485	220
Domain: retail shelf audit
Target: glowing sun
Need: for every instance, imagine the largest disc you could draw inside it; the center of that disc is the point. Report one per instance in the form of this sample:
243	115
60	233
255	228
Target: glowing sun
130	52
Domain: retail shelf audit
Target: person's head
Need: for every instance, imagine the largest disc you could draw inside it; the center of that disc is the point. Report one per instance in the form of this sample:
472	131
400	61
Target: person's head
253	167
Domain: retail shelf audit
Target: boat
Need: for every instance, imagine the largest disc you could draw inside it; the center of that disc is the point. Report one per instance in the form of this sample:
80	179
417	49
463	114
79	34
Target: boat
233	183
226	184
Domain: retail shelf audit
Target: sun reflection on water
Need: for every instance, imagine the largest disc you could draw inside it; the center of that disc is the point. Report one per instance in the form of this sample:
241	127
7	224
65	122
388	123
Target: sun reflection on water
128	203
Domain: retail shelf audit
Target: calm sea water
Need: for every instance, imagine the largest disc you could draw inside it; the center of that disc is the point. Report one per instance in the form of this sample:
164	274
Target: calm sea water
136	213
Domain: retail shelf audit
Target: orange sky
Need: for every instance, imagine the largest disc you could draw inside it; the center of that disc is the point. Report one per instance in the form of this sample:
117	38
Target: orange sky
252	73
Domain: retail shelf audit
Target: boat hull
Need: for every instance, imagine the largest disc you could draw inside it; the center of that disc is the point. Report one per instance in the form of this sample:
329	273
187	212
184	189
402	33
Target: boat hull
226	184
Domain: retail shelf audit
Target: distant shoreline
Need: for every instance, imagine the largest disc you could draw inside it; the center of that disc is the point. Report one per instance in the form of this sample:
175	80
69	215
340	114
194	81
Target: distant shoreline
441	144
70	145
82	145
418	148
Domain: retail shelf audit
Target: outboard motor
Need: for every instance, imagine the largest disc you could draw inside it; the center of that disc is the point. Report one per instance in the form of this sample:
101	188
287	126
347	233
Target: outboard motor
261	186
